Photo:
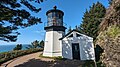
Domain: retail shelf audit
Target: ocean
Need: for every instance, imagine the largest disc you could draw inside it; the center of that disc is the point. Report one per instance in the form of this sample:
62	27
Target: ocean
6	48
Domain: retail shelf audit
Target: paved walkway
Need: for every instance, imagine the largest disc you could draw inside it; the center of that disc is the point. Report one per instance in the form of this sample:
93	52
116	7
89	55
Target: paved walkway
24	59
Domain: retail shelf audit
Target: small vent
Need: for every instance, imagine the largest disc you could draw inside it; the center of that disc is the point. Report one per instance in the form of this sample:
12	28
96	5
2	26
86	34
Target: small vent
78	35
71	35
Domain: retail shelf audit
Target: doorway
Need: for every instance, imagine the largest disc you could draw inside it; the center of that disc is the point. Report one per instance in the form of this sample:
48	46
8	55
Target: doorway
76	51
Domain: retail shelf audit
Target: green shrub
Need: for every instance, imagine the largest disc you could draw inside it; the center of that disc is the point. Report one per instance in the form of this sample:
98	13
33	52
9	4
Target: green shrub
113	31
100	64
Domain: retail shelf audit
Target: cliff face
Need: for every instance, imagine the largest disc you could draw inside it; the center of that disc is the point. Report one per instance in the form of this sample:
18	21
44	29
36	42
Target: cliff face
112	16
109	36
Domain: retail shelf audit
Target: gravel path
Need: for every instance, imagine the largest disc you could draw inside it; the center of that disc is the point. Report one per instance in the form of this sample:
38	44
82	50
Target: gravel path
33	60
24	59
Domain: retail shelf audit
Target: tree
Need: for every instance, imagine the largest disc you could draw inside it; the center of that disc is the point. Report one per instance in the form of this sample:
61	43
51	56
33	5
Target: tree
36	44
33	44
13	17
41	44
69	29
92	20
110	1
18	47
76	27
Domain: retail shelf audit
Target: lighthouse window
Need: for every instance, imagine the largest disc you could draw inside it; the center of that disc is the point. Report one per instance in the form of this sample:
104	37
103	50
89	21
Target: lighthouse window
53	14
56	14
50	15
49	19
59	15
50	24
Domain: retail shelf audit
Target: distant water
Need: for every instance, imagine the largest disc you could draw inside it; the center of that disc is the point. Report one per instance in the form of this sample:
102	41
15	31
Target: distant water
5	48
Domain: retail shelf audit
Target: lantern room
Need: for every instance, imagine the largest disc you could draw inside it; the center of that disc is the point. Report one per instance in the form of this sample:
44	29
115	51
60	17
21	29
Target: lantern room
54	17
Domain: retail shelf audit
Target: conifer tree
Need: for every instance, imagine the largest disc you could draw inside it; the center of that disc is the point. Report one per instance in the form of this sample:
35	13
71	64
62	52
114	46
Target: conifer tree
18	47
41	44
76	27
92	19
13	16
69	29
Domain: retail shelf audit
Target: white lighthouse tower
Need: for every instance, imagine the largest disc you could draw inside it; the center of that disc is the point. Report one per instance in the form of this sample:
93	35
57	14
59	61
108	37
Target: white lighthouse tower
54	31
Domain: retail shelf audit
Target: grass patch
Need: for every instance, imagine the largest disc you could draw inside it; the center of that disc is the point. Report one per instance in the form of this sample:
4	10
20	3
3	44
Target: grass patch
55	58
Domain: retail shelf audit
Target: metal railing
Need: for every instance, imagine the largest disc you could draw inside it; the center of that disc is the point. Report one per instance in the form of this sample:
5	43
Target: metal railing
46	24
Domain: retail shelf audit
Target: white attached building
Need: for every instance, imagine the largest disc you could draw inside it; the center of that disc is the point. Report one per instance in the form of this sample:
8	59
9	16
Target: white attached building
77	46
73	45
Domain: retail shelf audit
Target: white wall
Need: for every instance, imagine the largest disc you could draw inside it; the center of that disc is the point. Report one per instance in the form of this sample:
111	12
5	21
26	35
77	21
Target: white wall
57	46
48	47
85	45
53	46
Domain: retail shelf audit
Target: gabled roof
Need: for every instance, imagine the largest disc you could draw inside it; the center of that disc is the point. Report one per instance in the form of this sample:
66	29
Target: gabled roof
70	33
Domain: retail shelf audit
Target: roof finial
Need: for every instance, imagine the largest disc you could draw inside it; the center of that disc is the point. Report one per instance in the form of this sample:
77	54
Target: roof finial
55	7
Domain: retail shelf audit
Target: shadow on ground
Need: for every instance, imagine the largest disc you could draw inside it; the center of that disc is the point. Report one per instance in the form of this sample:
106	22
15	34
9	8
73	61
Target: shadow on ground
58	63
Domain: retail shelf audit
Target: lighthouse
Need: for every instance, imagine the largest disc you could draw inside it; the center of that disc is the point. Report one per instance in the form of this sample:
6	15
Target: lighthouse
54	31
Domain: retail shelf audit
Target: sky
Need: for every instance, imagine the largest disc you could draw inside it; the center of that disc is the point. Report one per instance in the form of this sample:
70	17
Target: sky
73	13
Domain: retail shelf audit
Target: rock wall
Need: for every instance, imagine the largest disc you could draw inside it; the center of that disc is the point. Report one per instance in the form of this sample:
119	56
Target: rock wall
112	16
109	36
